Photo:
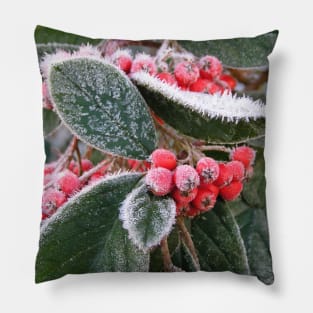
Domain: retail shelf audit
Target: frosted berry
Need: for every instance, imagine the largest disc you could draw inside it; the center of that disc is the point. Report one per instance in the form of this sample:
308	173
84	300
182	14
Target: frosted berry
237	169
205	200
186	178
225	175
184	197
186	73
123	60
167	78
51	200
192	211
231	191
85	164
159	181
201	85
68	182
181	208
244	154
208	170
49	168
163	158
210	187
145	63
215	88
210	67
229	80
95	177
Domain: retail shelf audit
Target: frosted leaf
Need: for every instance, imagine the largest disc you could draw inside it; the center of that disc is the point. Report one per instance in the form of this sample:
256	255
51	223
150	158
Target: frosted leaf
146	217
102	107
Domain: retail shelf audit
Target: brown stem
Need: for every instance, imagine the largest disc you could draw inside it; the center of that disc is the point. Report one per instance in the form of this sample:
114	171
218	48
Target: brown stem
88	152
188	241
215	148
167	261
79	159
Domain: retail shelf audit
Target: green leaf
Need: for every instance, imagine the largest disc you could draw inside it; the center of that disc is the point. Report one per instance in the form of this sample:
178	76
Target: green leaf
217	238
85	235
236	52
254	230
101	106
216	119
51	121
146	217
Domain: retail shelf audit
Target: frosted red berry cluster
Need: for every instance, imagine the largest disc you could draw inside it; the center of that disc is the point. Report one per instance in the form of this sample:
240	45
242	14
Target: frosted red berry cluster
195	190
204	75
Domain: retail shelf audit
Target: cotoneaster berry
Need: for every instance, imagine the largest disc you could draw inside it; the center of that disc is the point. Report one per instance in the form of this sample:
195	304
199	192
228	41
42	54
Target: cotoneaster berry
229	80
85	164
167	78
210	187
231	191
186	178
208	170
186	73
184	197
210	67
215	88
123	60
49	168
225	175
244	154
201	85
68	182
205	200
192	211
145	63
249	172
181	208
159	181
163	158
51	200
237	169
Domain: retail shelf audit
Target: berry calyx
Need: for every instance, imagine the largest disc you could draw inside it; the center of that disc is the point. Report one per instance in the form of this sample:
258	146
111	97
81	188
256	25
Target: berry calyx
145	63
210	67
204	201
184	197
244	154
68	182
186	73
163	158
237	169
225	175
186	178
51	200
208	170
167	78
159	181
231	191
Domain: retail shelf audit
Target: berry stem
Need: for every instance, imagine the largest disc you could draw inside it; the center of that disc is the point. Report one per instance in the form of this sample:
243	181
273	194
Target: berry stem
215	148
167	261
188	241
79	160
88	152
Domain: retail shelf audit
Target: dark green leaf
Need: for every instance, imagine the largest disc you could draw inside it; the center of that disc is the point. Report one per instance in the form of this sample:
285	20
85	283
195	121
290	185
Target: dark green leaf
83	235
217	238
50	121
212	126
146	217
254	230
236	52
101	106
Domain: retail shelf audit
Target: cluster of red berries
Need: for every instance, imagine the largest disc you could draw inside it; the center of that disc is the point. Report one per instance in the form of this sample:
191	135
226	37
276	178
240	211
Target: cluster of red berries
64	184
195	190
206	75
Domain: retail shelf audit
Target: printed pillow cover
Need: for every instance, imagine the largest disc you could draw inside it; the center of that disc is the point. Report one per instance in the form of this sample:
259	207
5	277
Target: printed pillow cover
154	155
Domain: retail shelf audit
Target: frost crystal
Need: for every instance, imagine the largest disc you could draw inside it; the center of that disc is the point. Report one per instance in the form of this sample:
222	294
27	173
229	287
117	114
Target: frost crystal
224	106
147	219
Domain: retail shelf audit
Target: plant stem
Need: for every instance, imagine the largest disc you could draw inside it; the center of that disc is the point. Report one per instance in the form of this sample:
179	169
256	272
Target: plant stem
79	159
215	148
188	241
95	169
167	261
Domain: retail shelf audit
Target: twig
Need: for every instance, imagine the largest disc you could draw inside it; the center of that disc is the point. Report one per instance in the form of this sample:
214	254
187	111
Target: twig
215	148
79	159
167	261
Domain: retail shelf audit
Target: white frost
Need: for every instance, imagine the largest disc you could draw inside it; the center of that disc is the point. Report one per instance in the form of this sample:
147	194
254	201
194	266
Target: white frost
224	106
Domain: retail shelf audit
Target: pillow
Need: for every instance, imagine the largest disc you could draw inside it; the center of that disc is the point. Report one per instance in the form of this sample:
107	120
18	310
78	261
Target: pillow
154	155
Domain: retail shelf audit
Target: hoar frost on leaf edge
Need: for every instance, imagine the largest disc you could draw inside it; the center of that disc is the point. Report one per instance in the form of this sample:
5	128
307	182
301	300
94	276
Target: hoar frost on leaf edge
224	106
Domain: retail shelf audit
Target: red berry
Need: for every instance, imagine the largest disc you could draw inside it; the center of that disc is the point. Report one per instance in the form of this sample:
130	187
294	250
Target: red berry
249	172
167	78
208	170
183	87
244	154
123	60
51	200
145	63
186	73
184	197
86	166
237	169
68	182
201	85
163	158
205	200
210	67
192	211
95	177
215	88
49	168
181	208
231	191
159	181
225	176
186	178
210	187
229	80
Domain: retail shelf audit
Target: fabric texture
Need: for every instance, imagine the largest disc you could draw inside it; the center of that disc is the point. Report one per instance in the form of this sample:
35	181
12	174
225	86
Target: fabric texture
154	155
